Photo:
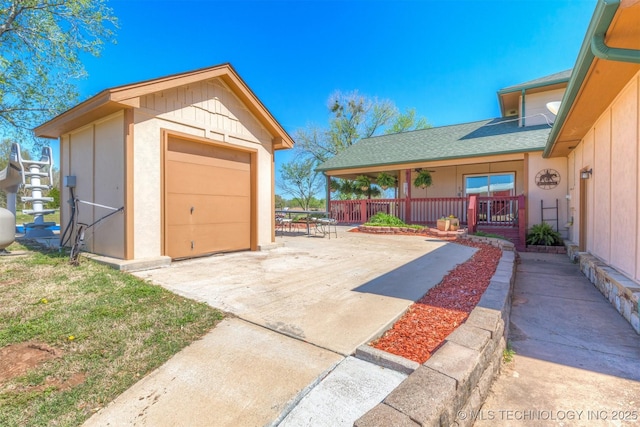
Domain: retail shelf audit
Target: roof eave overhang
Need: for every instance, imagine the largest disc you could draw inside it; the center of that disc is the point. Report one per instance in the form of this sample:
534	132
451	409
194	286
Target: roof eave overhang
533	86
128	96
411	163
594	82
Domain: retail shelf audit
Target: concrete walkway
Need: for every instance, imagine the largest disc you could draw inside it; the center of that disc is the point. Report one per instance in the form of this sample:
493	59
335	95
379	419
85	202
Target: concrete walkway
301	310
577	360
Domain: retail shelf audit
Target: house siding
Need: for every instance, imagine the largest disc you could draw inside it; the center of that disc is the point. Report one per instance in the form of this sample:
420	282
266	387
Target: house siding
610	148
448	181
94	154
548	197
602	187
536	112
208	110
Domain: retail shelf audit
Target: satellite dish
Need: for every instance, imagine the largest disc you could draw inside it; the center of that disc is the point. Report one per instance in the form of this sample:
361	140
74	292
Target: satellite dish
553	107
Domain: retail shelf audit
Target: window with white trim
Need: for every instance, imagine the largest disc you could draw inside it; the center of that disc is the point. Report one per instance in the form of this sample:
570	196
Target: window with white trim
495	184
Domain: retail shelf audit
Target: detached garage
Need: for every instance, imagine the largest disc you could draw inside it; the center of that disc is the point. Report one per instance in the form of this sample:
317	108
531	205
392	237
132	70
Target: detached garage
189	157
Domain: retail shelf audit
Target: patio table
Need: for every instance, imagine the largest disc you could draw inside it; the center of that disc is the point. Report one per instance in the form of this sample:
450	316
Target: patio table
308	220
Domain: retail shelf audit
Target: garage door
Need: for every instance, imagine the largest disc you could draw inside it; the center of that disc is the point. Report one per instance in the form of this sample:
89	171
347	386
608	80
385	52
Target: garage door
207	199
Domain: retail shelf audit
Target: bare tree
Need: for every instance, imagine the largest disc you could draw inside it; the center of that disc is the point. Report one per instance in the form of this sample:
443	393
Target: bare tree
352	117
300	179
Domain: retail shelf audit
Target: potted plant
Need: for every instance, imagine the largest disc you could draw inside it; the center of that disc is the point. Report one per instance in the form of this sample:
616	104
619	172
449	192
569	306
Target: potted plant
444	224
454	223
363	182
334	185
384	180
423	180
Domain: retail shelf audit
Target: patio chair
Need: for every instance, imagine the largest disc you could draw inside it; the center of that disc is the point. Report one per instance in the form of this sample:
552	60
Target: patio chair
323	225
282	223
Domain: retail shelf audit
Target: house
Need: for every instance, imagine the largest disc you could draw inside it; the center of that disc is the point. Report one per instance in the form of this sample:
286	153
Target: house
597	132
497	160
580	173
188	157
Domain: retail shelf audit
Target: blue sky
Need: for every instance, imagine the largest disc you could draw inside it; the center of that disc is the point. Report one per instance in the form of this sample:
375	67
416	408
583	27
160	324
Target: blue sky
446	59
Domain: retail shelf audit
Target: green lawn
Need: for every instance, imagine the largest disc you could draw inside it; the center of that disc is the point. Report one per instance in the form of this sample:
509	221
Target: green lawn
108	328
25	219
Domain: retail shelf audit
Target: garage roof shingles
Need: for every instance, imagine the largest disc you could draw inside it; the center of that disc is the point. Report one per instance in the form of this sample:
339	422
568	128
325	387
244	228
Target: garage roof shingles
476	139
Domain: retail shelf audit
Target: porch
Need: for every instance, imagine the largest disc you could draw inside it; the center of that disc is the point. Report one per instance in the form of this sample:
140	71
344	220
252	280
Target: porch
497	214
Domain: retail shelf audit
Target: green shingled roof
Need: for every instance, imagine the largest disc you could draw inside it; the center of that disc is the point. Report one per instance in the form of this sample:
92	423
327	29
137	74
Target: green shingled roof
561	77
483	138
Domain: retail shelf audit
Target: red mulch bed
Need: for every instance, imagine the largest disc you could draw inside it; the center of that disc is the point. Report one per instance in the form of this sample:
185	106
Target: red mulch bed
427	323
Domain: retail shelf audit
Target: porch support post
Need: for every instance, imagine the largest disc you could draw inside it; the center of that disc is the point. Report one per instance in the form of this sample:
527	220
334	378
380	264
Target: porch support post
363	210
407	197
472	214
328	209
522	219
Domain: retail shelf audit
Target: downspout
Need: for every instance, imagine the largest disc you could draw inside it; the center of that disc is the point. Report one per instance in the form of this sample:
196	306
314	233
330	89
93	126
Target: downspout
598	46
601	50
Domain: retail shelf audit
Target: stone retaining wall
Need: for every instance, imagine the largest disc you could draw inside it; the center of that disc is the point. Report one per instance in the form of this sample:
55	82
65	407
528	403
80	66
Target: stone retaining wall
458	376
547	249
622	292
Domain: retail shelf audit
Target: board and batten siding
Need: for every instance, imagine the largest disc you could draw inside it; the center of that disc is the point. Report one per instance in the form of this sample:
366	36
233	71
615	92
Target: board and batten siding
611	149
207	109
94	154
535	107
548	197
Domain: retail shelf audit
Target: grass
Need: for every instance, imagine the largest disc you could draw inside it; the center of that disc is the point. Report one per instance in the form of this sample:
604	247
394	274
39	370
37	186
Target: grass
508	353
493	235
109	326
26	219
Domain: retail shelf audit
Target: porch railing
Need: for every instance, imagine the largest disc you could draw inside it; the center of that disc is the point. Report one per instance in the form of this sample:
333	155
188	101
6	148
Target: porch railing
417	211
359	211
499	211
429	210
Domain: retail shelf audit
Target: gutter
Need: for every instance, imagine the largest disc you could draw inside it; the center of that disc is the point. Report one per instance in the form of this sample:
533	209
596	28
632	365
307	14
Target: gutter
601	50
593	46
532	86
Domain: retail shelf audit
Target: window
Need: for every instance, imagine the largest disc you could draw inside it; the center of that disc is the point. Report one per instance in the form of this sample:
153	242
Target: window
490	184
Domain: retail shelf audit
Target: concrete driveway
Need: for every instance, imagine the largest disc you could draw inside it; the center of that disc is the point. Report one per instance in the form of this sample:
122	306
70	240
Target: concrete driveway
335	293
300	309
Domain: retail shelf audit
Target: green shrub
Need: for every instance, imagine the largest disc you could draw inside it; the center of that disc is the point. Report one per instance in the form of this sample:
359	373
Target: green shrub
384	219
543	234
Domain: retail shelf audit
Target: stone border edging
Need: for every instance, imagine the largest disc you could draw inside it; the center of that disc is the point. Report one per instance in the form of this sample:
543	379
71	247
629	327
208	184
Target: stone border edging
622	292
457	377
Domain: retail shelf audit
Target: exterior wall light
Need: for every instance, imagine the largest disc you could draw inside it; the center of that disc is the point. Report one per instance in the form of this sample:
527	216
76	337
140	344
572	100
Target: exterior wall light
586	174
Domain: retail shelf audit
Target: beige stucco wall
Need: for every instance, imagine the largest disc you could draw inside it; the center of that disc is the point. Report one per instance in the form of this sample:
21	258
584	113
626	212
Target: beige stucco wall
535	107
611	149
537	194
207	110
94	154
448	181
